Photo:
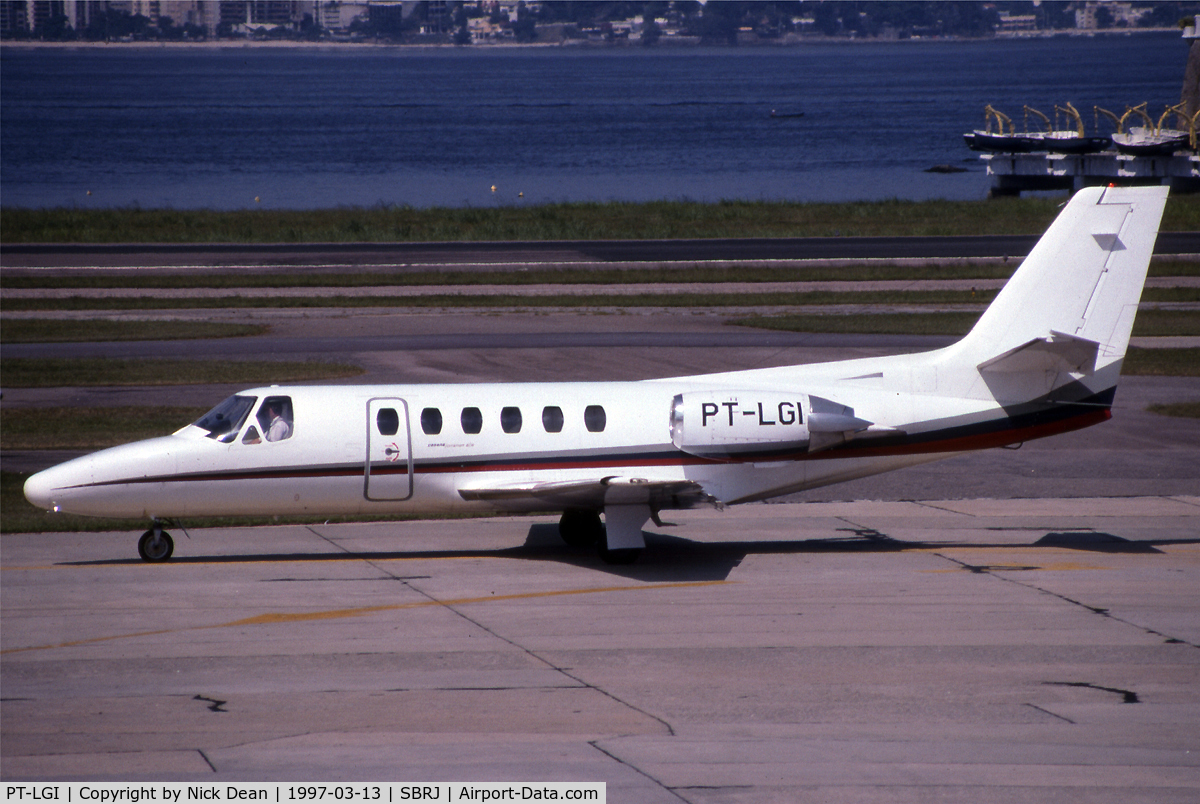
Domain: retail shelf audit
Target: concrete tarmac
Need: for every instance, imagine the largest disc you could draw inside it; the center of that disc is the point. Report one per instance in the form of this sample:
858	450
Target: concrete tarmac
966	651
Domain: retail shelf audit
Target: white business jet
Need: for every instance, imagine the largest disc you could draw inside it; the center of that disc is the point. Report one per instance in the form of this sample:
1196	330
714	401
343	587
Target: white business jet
1043	359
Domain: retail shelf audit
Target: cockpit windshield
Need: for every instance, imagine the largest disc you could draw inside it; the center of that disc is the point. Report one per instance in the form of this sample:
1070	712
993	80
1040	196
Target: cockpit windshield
224	421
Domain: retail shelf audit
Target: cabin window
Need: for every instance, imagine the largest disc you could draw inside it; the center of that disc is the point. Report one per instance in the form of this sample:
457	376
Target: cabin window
252	436
224	421
275	418
431	421
388	421
552	419
594	418
510	420
472	420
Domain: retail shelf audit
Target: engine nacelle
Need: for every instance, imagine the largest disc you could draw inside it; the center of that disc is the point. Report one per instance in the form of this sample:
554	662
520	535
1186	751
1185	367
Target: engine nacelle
737	425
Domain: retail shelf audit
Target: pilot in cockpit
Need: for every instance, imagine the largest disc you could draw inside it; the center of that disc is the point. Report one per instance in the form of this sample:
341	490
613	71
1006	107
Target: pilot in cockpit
275	426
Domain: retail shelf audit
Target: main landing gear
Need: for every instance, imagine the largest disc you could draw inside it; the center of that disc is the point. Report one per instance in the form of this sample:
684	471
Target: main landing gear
583	528
156	545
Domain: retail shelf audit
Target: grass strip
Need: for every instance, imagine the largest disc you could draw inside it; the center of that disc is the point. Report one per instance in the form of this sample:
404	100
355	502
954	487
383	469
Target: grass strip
1186	410
866	323
59	372
90	428
564	221
54	330
1166	323
648	299
1170	295
1148	324
1161	362
660	275
657	275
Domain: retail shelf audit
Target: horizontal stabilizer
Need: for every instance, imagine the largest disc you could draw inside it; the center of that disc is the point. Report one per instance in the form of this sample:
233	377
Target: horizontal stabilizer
1058	352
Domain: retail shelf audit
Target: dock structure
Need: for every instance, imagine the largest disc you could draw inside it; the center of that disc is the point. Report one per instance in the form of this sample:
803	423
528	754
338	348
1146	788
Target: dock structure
1028	161
1013	173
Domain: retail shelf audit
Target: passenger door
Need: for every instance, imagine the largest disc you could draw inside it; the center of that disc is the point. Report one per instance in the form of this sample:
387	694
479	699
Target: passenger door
388	468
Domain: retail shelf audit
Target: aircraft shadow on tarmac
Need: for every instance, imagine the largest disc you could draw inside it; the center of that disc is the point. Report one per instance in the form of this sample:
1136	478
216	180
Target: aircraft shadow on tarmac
674	559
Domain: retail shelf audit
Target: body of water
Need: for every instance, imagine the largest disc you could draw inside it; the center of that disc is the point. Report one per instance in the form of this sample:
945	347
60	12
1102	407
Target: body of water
315	128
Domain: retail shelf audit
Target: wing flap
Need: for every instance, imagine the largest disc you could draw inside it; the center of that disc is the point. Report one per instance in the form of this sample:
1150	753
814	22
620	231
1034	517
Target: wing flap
591	493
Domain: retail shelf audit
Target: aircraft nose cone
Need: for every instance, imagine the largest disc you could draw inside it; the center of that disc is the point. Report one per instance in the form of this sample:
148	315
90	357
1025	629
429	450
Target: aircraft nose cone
40	488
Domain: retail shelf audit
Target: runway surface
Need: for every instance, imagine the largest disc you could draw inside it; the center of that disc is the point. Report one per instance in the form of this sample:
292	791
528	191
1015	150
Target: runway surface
983	651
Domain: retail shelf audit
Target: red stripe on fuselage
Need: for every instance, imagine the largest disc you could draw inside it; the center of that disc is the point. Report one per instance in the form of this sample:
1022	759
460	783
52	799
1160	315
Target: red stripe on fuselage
928	444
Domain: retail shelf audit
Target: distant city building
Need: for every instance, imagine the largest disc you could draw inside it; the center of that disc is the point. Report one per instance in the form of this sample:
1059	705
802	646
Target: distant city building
1097	14
338	17
1012	24
503	21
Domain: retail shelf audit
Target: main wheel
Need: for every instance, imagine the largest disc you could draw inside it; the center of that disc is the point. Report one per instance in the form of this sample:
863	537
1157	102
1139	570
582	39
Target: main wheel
155	546
581	528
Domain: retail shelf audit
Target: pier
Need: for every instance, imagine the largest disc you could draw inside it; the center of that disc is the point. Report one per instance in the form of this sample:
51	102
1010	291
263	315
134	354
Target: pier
1065	158
1013	173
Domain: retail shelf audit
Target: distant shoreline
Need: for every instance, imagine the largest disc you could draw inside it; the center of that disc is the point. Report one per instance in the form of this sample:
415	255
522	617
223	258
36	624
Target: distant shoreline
240	44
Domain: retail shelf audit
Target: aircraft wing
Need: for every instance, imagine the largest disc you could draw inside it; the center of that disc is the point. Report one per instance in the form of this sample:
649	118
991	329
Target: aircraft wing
592	493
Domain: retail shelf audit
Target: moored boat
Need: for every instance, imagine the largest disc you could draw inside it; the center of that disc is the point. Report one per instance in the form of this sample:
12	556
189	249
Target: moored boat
1065	140
1149	139
999	141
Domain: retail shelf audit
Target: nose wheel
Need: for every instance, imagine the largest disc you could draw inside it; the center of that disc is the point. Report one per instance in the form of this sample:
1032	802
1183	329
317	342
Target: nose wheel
156	545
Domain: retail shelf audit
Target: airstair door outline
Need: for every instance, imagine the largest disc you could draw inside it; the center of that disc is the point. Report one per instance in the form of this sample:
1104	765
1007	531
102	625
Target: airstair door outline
388	468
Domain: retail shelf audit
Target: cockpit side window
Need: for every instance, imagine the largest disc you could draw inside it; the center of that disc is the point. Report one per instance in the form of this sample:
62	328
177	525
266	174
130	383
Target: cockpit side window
224	421
275	418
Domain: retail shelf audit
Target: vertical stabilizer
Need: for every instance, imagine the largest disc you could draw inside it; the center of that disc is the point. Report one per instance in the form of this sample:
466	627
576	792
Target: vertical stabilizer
1069	308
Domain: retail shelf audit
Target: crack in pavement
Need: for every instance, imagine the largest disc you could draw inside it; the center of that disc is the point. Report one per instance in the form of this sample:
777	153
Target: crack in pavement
1048	712
579	682
877	536
207	761
673	791
1103	612
491	632
214	704
1127	696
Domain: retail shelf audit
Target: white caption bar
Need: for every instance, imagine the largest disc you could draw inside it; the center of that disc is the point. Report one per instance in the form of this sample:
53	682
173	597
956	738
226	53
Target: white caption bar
174	793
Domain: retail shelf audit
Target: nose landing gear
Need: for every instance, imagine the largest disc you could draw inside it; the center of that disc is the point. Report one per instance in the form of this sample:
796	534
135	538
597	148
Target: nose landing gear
156	545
